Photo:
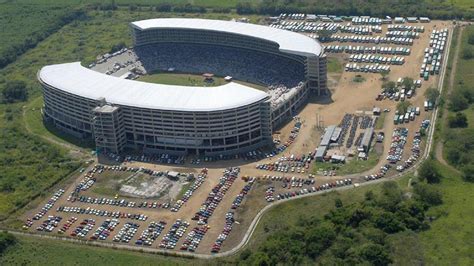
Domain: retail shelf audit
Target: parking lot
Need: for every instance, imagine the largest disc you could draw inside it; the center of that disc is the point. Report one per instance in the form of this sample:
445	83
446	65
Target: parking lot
217	207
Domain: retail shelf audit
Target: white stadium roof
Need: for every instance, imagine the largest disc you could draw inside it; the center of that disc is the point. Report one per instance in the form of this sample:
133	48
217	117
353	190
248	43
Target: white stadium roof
78	80
288	41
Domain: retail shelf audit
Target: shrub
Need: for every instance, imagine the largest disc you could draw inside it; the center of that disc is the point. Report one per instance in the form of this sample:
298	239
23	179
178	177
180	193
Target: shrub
428	194
467	53
458	120
15	90
457	102
429	172
468	173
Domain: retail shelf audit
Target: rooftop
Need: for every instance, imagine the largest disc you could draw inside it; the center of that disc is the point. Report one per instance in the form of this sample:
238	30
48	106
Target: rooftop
289	42
78	80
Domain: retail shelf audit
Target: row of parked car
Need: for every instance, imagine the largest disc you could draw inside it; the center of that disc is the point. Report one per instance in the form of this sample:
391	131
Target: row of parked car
151	233
372	68
176	231
194	238
399	139
359	49
49	224
105	229
229	222
118	202
292	163
126	233
370	39
303	191
379	59
245	190
46	207
187	195
68	224
103	213
84	228
216	195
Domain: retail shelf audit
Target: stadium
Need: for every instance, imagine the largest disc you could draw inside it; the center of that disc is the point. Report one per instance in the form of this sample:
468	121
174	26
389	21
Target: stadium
120	113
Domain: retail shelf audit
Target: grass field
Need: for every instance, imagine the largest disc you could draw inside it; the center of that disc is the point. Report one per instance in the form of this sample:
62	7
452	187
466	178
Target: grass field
451	237
352	166
182	79
35	251
334	65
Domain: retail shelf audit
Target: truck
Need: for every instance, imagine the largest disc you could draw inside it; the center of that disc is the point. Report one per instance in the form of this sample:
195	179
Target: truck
407	117
426	105
417	111
395	120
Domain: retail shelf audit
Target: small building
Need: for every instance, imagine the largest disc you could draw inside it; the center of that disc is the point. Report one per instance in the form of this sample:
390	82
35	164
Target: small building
173	175
376	111
367	139
338	159
327	136
228	78
320	153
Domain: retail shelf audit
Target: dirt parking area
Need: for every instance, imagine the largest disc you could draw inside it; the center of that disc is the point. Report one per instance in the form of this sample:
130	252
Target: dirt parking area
345	96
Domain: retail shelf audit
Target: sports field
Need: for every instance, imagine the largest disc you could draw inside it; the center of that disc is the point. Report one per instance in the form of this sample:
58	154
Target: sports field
191	80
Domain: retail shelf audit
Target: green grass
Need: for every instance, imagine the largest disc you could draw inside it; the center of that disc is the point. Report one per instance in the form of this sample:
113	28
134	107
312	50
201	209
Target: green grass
182	79
36	251
450	239
351	167
334	65
34	121
380	121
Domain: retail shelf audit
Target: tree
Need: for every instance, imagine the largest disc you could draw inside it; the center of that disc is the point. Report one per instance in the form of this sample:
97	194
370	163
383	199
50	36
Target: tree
470	38
429	172
467	53
390	86
375	254
324	34
432	94
15	90
428	194
468	173
402	107
338	203
458	120
457	102
6	240
384	74
407	83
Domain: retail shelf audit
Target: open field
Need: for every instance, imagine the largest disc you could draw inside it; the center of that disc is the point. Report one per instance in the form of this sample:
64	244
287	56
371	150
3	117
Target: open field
182	79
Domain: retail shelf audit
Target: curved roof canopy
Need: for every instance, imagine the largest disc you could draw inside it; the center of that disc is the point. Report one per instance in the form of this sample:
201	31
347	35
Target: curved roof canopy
78	80
289	42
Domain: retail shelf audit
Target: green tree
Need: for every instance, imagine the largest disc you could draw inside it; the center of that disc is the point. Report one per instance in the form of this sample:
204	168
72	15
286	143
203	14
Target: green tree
458	120
428	194
468	172
389	86
384	74
402	107
6	240
429	172
432	94
407	83
15	90
467	53
470	38
375	254
458	102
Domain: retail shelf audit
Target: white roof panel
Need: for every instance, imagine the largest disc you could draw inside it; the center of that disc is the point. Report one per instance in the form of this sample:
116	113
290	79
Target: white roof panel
288	41
76	79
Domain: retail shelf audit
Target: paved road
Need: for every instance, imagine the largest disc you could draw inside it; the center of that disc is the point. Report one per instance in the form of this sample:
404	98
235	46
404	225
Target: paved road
260	214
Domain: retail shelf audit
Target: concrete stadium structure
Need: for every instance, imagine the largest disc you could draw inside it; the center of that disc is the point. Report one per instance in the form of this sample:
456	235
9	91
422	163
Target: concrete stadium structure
157	118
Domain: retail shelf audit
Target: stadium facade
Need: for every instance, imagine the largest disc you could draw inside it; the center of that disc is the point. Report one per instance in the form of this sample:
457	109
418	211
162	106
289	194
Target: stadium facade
156	118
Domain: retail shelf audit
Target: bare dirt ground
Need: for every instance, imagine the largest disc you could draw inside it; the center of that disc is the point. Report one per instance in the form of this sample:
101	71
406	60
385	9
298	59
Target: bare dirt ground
346	96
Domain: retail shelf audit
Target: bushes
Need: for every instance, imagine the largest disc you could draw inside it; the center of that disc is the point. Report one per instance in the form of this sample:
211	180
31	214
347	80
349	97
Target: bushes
15	90
429	172
402	107
432	94
6	240
458	120
428	194
467	53
468	172
349	234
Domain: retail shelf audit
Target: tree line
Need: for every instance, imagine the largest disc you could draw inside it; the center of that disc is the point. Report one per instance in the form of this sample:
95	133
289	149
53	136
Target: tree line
356	233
